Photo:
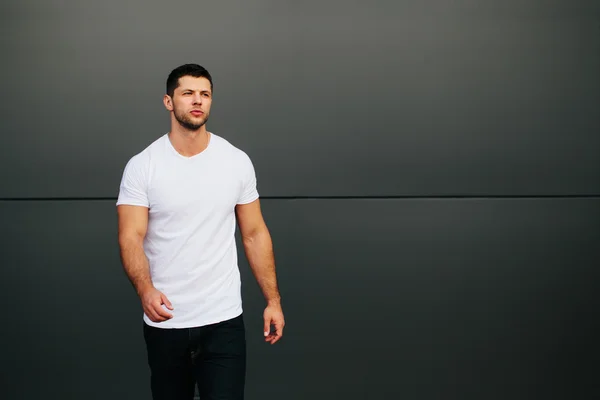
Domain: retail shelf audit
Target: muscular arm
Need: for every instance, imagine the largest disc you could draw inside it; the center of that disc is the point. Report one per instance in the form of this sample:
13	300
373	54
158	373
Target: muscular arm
133	223
259	249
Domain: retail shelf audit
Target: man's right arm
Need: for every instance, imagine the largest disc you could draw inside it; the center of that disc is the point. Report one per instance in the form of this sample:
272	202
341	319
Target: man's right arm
133	224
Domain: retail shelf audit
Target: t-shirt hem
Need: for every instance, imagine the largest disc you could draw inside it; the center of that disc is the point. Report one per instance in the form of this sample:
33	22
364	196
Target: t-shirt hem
248	201
194	324
131	203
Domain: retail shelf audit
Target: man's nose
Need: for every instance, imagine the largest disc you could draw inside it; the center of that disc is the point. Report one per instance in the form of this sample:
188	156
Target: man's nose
197	98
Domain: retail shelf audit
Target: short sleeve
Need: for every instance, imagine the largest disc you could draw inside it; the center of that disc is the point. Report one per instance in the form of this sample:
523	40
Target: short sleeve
249	192
133	188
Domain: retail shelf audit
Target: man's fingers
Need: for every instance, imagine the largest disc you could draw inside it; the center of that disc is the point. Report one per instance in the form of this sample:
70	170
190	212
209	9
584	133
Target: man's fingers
150	311
267	326
276	335
154	317
157	307
166	301
274	338
152	302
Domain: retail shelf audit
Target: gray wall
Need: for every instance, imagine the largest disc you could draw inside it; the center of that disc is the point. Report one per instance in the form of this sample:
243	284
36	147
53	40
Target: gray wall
430	173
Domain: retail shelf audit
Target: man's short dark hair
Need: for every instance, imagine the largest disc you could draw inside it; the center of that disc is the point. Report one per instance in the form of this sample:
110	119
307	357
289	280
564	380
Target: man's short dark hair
195	70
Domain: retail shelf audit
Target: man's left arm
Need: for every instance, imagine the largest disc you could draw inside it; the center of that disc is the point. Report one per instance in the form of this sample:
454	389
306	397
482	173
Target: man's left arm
258	247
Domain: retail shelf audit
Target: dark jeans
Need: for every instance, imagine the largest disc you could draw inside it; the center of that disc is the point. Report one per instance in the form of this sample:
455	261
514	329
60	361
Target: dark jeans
213	357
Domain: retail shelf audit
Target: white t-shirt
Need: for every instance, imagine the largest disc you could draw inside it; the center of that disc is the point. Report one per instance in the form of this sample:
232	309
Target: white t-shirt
190	241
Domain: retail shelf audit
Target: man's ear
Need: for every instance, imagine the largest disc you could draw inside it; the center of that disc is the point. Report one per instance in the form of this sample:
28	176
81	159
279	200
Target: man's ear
168	102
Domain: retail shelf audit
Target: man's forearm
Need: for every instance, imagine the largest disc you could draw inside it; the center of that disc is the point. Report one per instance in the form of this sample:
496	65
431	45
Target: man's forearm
259	252
135	263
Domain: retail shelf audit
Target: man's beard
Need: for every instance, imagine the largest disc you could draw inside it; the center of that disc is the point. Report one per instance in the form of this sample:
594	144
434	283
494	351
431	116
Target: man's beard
186	121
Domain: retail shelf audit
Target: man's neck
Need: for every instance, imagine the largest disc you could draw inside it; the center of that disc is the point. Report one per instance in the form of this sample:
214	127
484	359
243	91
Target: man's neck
189	143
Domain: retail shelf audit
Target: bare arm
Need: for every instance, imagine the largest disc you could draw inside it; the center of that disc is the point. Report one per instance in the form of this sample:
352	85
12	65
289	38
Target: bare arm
258	247
133	224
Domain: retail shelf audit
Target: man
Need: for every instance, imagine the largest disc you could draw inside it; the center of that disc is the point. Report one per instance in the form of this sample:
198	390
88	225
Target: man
178	203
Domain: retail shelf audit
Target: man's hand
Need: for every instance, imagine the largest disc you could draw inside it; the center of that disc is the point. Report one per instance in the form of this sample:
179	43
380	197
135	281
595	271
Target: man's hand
152	301
273	315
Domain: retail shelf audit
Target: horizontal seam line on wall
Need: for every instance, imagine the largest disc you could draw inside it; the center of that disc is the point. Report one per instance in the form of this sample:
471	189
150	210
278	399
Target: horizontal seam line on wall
582	196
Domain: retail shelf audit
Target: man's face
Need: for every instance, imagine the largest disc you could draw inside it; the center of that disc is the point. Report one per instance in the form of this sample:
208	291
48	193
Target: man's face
191	102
